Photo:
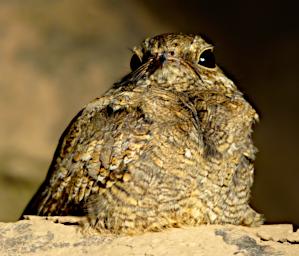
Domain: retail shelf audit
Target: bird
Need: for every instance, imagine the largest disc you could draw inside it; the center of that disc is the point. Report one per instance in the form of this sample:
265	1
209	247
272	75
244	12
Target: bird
168	145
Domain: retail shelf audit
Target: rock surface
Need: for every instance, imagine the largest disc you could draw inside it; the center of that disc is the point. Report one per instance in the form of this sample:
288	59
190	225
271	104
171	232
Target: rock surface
62	236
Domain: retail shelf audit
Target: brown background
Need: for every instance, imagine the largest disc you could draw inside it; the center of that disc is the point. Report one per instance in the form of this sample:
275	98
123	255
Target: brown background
55	56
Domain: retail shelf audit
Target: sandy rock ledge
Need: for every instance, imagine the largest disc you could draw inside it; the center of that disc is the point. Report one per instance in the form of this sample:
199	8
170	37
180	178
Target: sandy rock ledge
63	236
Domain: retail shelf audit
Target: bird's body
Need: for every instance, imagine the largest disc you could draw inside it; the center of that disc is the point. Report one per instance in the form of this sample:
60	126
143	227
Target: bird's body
168	145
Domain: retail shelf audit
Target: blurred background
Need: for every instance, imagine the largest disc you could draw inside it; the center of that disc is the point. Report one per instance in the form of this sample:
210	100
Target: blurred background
56	56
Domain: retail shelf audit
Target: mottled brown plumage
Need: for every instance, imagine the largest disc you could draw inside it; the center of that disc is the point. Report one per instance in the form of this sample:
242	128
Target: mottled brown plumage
168	145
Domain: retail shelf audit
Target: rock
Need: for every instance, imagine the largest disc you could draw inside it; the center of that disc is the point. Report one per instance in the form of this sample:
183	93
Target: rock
63	236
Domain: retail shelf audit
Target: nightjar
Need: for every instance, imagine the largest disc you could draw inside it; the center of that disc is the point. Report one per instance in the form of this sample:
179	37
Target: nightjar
168	145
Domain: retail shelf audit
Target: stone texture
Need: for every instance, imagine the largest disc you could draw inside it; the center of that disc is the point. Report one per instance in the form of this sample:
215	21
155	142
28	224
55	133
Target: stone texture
63	236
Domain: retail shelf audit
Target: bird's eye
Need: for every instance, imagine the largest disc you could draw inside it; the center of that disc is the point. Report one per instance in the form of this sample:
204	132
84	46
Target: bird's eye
135	62
207	59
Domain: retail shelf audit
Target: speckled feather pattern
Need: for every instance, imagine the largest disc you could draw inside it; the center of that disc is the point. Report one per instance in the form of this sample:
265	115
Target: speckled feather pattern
168	145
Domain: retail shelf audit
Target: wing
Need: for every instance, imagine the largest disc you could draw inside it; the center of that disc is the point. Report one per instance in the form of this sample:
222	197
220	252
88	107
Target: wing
93	153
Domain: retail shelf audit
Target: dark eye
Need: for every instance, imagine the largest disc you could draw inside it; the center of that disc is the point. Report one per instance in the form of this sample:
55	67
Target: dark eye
135	62
207	59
